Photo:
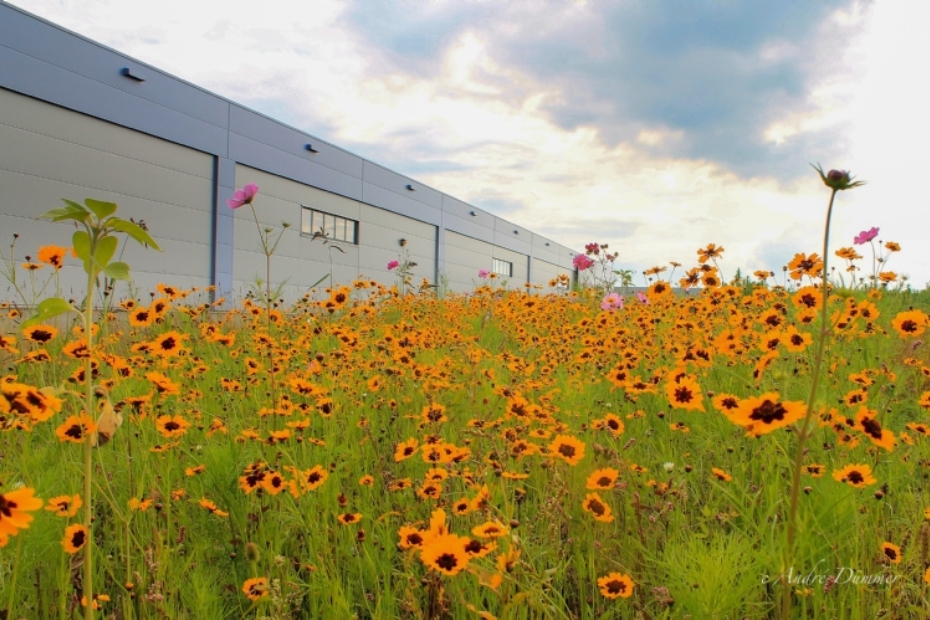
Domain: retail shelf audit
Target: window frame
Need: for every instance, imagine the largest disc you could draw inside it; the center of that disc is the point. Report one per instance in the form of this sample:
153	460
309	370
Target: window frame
499	261
329	221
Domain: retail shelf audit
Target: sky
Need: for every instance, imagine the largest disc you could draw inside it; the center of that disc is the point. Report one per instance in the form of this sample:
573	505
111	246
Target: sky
654	126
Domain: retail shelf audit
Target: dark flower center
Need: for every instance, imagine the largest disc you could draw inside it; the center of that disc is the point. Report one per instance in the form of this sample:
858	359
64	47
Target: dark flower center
78	538
872	428
447	561
768	412
6	507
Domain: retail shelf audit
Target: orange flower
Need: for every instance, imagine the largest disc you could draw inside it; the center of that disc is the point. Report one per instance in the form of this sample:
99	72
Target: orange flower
568	449
75	538
616	585
14	506
255	588
169	344
763	414
76	428
685	394
40	333
602	479
892	552
867	422
910	323
53	255
855	475
598	509
171	426
64	505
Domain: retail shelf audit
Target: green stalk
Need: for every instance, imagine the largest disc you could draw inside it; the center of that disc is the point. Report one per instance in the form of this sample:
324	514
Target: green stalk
9	605
89	406
804	432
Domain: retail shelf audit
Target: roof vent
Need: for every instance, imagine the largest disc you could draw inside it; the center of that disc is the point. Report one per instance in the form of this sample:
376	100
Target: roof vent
126	71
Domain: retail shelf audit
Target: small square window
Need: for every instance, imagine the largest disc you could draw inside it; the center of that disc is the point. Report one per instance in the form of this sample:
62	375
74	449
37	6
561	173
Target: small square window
502	267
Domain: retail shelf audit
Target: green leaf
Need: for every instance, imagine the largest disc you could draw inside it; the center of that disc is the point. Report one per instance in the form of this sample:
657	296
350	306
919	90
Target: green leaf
100	209
117	271
106	248
81	242
71	211
133	230
47	309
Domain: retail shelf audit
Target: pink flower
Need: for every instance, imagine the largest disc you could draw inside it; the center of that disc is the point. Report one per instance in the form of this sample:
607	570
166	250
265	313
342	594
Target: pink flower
612	302
483	273
394	264
243	196
865	236
642	298
582	262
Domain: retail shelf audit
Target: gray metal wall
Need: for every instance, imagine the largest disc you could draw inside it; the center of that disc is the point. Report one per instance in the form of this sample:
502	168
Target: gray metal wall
96	123
50	153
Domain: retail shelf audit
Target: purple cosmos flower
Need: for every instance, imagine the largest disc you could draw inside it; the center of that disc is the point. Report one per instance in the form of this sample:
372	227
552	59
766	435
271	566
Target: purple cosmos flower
612	302
394	264
865	236
243	196
483	273
582	262
642	298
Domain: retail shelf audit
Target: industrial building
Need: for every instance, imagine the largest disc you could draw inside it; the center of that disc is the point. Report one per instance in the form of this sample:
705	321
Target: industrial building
80	120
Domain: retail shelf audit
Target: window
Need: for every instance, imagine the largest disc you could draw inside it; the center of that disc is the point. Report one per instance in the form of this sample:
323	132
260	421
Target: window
334	227
502	267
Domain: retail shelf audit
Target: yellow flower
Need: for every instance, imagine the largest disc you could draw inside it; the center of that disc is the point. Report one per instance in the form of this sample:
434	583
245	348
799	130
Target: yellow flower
616	585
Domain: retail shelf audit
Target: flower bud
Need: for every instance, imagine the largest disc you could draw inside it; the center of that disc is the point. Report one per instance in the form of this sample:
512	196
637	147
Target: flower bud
837	179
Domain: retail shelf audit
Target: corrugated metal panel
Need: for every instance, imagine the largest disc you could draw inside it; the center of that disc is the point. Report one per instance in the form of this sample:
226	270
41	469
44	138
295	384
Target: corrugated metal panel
266	131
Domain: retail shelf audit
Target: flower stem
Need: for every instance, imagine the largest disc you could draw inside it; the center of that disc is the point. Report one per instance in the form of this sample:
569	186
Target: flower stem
88	467
804	432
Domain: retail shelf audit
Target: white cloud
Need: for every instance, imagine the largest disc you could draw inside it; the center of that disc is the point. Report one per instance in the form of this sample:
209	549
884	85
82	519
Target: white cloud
488	119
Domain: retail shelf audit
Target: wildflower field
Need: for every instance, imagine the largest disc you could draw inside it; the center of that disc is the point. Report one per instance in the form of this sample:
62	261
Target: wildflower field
497	454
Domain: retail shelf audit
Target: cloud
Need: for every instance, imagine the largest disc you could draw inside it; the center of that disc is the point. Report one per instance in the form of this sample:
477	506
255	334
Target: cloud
656	131
731	80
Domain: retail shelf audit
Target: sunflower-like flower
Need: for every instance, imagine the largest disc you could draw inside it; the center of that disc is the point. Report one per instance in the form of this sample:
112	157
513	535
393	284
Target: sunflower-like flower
567	448
616	585
855	475
14	509
446	553
75	538
602	479
763	414
255	588
598	508
892	552
64	505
